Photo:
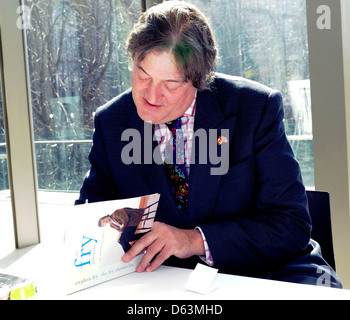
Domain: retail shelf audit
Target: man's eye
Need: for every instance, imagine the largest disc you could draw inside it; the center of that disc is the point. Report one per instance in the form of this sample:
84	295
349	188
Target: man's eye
144	78
172	85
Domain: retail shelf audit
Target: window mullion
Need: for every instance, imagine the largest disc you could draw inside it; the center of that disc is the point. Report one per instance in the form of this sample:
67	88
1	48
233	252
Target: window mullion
329	67
22	169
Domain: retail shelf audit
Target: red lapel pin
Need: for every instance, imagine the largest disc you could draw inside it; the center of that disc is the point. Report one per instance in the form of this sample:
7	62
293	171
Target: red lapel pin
222	140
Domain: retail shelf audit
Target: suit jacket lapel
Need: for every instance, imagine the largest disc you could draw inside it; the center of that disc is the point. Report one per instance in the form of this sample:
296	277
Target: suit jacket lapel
204	184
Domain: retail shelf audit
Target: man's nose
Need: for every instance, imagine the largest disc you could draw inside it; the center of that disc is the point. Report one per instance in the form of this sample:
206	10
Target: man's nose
155	93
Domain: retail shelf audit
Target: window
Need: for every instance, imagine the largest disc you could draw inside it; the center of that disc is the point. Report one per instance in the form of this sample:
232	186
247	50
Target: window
7	238
77	62
266	41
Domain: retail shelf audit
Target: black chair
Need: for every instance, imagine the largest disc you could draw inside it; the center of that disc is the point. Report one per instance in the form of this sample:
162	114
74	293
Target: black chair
320	212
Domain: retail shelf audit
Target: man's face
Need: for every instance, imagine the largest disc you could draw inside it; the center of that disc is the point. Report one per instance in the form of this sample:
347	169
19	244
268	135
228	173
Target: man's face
103	221
158	89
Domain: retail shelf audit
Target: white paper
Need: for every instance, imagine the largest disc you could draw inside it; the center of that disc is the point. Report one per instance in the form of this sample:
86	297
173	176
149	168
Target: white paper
202	279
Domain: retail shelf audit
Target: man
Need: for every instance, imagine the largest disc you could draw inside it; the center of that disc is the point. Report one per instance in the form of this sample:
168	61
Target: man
250	219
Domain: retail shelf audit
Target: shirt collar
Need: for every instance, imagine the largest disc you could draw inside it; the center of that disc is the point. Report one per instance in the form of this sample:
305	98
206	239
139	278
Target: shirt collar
191	110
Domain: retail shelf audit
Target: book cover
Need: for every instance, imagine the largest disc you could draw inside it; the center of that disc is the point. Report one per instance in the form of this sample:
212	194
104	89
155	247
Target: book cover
16	288
97	236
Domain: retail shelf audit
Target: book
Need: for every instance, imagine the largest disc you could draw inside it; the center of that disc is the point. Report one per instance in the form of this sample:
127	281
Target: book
98	234
16	288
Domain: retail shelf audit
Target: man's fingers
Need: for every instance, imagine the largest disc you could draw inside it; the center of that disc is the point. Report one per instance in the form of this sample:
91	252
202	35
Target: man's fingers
156	252
141	245
159	259
138	247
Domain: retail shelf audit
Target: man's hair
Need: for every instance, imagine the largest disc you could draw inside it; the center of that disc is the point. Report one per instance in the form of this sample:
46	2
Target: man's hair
179	28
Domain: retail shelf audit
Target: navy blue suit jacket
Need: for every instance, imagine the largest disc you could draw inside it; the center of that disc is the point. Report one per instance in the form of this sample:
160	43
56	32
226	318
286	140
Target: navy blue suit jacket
254	217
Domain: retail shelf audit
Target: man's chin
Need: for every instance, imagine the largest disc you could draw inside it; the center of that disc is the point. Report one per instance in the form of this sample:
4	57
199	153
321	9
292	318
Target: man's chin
149	117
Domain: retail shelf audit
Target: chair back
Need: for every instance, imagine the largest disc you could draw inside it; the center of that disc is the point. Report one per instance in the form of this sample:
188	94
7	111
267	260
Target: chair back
320	212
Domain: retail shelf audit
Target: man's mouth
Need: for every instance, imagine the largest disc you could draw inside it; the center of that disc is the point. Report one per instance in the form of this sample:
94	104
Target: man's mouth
152	105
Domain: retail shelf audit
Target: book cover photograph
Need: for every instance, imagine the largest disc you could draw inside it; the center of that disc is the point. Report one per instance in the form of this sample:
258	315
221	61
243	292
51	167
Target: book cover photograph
97	236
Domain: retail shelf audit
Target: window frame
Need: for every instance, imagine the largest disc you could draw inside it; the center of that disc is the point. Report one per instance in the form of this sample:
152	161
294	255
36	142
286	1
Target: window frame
18	121
329	58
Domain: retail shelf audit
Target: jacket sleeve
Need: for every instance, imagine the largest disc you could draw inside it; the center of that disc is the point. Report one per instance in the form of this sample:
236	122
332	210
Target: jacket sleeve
278	228
98	183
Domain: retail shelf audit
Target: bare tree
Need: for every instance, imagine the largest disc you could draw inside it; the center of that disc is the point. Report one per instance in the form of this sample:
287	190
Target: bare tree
77	61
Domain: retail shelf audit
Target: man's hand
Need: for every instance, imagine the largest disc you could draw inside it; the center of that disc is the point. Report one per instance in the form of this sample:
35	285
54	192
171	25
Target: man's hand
165	241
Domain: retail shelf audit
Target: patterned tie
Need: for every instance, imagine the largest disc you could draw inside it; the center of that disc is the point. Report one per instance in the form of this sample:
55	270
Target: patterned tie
175	167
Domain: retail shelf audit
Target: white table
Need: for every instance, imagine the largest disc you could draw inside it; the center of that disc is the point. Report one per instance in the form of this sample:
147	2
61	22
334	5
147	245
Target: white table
166	283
